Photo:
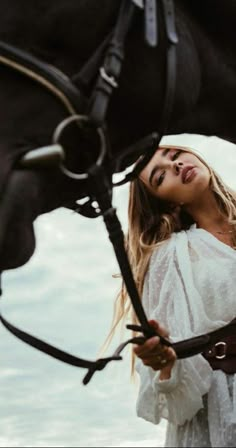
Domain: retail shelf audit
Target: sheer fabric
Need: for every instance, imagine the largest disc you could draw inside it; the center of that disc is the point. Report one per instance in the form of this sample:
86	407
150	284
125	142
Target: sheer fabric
190	289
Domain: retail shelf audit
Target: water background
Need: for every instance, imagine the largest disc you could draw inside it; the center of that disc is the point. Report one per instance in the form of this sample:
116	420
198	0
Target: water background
65	295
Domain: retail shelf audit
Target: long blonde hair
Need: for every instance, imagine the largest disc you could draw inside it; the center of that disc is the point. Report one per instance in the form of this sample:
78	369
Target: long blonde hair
151	222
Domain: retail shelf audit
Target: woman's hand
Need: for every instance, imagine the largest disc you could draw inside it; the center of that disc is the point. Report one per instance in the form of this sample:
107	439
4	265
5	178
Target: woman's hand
156	355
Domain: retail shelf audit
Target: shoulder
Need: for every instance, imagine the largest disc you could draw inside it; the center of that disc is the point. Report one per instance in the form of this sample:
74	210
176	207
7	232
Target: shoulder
167	247
178	241
163	252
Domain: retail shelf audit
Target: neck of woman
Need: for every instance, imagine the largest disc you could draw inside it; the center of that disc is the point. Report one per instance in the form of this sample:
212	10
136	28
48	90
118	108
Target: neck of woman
205	212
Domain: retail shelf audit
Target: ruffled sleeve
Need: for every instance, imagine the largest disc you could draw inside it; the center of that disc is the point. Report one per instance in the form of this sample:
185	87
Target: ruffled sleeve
166	299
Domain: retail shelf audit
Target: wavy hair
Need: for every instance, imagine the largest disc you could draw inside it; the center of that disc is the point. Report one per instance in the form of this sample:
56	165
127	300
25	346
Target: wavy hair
151	221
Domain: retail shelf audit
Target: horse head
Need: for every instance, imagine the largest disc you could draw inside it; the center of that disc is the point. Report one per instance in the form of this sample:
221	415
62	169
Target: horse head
65	35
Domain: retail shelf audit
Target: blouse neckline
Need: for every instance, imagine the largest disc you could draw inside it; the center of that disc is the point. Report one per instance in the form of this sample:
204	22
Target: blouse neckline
211	236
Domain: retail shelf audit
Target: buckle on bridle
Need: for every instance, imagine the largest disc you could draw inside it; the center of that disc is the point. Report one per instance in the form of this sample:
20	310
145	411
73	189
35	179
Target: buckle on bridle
80	120
108	79
219	350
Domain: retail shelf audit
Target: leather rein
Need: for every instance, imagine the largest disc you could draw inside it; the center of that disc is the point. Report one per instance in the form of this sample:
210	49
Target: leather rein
105	70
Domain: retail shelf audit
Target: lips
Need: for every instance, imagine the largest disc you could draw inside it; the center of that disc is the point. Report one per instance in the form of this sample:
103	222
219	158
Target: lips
187	174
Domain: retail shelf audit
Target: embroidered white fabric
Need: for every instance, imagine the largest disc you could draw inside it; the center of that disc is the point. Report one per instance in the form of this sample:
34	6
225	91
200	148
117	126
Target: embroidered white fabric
190	289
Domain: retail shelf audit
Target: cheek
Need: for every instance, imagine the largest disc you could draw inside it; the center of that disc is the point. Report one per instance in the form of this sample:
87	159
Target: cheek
170	193
202	181
178	193
172	188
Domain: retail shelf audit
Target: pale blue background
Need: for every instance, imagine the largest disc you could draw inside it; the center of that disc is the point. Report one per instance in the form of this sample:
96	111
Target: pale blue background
65	295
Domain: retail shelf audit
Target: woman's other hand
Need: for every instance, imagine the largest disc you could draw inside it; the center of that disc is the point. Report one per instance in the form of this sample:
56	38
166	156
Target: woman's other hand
156	355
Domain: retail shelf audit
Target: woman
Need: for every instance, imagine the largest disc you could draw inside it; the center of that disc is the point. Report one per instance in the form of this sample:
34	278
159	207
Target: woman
181	241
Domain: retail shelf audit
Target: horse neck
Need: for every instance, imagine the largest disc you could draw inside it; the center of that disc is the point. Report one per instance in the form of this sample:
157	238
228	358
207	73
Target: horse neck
206	61
61	32
214	19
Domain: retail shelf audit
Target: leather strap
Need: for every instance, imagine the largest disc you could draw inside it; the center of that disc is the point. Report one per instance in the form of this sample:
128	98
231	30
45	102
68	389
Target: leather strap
110	71
222	355
44	74
203	343
151	24
167	8
198	344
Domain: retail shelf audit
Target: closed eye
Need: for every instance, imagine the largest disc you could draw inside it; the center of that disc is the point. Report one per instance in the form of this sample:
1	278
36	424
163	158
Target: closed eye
176	155
161	178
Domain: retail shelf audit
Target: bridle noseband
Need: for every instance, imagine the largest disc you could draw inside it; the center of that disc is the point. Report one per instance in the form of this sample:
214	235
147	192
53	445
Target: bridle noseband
104	67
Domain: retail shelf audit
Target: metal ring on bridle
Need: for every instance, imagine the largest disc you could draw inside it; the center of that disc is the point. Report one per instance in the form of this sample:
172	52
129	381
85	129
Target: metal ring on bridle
58	133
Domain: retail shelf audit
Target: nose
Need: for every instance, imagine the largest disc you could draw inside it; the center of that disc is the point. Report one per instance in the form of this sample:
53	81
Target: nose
178	167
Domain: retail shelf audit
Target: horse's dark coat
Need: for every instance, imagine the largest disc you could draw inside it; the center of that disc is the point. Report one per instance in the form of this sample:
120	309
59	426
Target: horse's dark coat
65	33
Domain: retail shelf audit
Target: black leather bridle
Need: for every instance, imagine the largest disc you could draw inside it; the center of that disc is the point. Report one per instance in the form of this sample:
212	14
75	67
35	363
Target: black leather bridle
102	72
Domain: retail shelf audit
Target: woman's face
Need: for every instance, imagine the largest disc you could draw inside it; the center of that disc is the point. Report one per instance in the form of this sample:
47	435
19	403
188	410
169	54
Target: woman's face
176	176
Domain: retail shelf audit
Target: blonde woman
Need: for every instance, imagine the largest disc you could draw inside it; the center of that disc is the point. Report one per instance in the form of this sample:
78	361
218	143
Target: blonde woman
181	244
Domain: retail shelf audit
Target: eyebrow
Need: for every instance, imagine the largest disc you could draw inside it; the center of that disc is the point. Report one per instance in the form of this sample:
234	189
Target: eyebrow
156	167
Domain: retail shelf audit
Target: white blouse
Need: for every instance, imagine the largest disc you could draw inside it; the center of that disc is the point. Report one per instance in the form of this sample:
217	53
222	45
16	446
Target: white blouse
190	288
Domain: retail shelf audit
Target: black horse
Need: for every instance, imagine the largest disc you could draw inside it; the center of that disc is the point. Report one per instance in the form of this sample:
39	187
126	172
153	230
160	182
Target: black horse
65	33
